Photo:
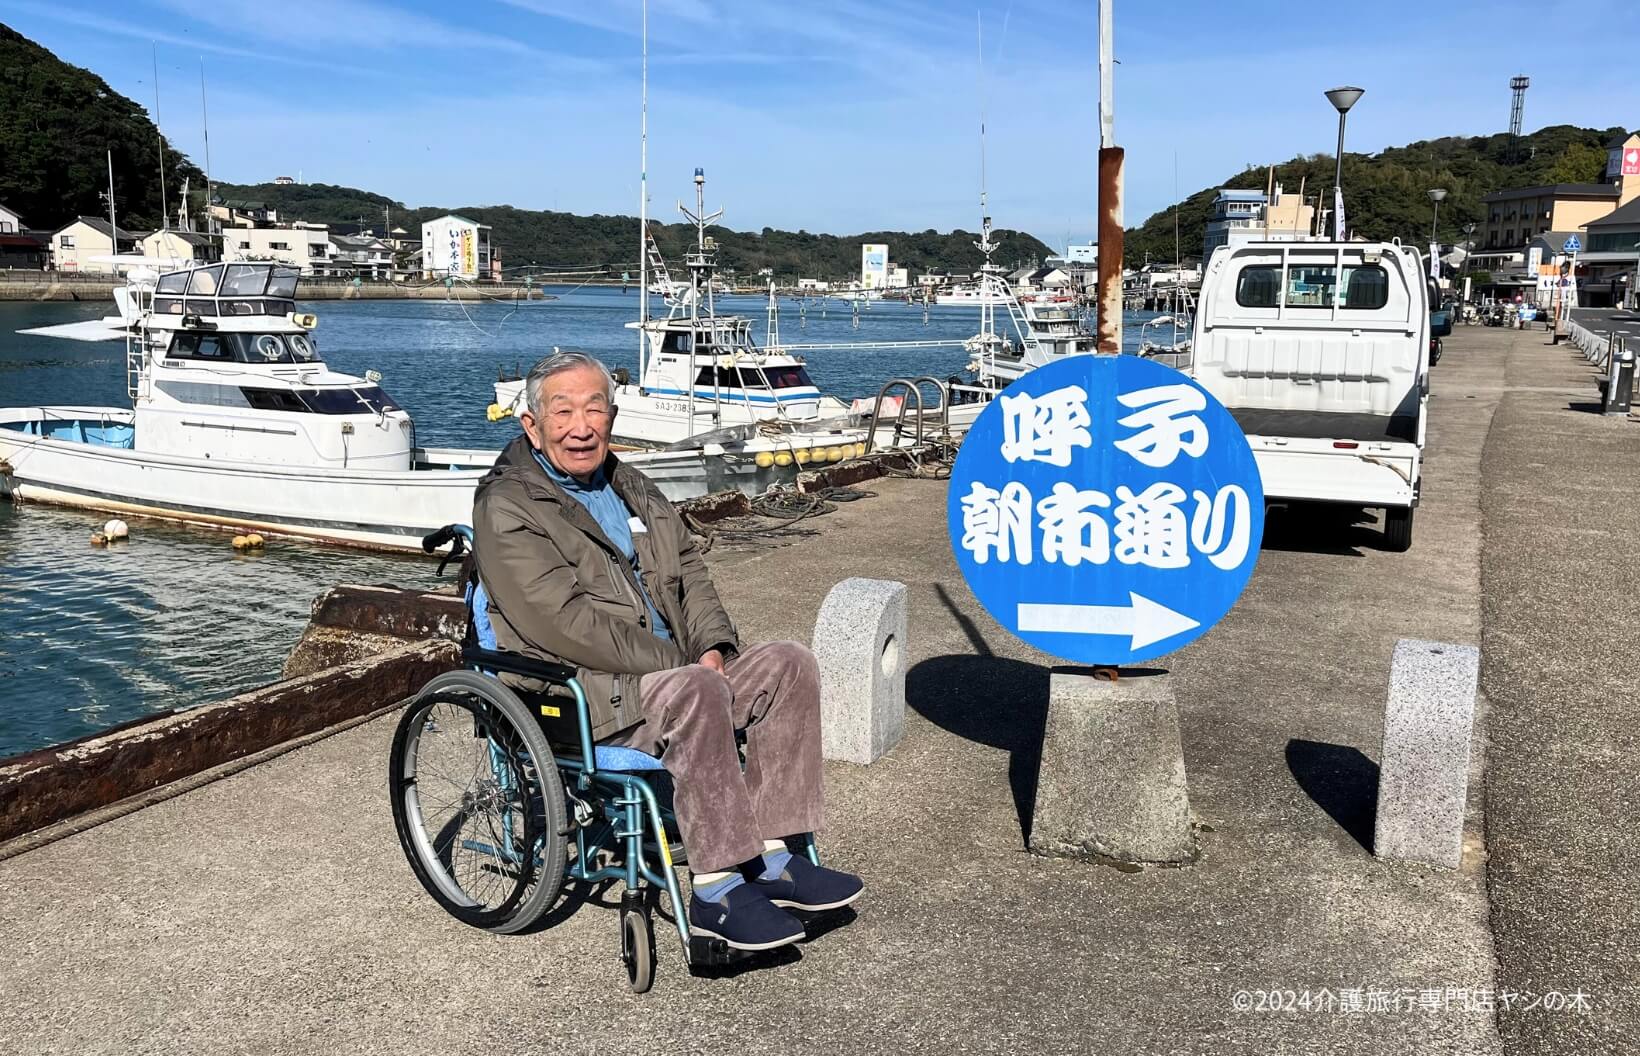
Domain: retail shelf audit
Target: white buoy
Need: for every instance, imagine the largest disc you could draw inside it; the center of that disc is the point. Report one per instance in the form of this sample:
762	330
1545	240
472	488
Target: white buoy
116	529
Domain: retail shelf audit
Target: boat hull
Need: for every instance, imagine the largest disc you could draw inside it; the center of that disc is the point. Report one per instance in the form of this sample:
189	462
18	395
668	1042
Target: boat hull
387	510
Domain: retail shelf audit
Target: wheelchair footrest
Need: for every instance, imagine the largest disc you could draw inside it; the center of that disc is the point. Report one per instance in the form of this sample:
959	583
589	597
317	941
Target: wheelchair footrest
707	952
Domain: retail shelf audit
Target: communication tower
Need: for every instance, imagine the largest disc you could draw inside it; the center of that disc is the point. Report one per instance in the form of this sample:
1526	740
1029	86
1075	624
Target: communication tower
1517	106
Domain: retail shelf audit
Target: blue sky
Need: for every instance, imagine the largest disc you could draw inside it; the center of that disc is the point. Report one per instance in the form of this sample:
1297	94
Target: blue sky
831	115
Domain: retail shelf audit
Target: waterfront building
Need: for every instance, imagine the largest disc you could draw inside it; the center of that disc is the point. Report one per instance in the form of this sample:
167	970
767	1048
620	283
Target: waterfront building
74	245
181	248
302	245
1086	254
455	247
239	212
1517	215
363	255
898	277
1245	216
20	248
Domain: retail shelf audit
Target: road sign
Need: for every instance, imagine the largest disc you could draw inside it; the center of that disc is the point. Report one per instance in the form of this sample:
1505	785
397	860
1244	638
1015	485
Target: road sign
1106	509
1572	245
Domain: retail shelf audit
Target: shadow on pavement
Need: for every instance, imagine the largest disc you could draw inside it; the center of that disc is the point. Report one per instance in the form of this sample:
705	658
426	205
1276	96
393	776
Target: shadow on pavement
1342	781
993	701
1321	528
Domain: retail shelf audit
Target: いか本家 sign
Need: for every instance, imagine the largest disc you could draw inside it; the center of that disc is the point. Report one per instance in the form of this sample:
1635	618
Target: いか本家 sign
1106	509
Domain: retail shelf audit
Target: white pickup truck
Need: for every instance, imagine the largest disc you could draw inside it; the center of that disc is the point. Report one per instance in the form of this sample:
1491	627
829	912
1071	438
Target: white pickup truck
1321	352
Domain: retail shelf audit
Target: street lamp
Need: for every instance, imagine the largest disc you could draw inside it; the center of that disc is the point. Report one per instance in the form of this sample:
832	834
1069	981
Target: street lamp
1436	194
1634	279
1341	99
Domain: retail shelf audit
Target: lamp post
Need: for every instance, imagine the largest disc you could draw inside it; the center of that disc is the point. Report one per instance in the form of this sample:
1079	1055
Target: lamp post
1436	194
1341	99
1634	279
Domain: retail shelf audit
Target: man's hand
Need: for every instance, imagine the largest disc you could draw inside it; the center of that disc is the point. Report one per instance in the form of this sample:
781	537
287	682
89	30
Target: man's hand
712	659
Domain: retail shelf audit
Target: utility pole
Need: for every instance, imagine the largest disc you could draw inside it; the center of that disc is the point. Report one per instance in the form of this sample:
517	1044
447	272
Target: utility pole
1108	315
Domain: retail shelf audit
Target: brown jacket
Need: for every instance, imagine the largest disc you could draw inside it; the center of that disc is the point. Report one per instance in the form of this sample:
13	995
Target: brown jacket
560	590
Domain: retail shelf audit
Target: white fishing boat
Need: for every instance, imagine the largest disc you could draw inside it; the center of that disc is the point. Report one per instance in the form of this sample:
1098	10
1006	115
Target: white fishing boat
1042	333
978	293
699	371
236	422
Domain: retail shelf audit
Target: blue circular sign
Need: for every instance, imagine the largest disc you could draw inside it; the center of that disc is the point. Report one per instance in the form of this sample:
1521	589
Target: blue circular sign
1106	509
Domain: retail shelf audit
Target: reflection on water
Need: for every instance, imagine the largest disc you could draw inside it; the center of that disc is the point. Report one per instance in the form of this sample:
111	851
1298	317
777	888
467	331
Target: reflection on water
175	618
170	619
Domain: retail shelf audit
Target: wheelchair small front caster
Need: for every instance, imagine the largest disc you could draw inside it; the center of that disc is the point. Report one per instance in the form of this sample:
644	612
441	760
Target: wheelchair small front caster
638	949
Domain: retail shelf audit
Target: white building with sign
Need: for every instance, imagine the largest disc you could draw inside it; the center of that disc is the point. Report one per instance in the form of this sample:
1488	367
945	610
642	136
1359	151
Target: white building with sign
455	247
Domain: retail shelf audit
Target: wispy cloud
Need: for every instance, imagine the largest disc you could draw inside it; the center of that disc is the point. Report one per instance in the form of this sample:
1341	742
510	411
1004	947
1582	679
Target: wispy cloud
329	25
136	31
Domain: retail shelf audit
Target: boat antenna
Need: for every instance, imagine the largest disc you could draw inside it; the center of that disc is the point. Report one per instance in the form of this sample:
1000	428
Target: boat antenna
643	204
205	117
164	205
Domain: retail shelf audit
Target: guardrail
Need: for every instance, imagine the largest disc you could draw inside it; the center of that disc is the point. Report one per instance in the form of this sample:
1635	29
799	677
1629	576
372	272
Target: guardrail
1595	348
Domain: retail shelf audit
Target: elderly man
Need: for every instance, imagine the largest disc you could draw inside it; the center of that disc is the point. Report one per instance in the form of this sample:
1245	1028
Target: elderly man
587	564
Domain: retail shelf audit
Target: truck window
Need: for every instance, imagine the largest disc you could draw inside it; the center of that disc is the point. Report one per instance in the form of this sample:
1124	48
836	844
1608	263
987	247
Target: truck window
1310	286
1258	286
1366	287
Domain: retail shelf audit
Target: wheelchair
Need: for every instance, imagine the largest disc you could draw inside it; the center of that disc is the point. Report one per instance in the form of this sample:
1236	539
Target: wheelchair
498	800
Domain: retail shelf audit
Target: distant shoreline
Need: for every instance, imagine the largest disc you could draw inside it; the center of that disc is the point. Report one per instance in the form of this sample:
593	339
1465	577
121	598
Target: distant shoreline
49	286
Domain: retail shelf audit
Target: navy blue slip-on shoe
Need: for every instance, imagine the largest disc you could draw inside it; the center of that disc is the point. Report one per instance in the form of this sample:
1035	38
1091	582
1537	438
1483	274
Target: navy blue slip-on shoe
802	885
744	919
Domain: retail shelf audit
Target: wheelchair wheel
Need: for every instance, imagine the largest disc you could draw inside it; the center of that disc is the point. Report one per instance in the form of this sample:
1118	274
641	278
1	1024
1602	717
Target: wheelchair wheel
638	949
478	803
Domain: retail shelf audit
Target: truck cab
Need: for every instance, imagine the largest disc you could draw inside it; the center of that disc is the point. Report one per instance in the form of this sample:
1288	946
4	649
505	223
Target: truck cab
1320	350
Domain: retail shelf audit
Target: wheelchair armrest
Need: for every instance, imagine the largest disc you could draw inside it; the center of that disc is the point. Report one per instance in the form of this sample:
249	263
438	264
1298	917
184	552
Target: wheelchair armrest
513	664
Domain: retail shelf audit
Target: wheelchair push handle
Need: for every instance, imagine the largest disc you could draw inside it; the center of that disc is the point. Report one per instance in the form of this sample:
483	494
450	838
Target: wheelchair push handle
457	535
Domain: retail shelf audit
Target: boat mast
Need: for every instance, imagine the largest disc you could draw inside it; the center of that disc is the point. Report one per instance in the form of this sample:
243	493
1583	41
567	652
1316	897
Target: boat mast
164	205
700	264
643	208
987	279
205	117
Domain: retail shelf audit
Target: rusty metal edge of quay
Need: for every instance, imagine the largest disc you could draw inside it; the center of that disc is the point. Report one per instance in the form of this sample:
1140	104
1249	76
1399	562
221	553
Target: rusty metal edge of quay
45	787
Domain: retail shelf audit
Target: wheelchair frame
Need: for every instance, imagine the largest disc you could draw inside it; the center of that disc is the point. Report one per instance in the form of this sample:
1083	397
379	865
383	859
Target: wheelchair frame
612	813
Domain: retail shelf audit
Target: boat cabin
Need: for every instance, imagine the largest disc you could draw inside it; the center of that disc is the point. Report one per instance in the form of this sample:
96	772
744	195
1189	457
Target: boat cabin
716	357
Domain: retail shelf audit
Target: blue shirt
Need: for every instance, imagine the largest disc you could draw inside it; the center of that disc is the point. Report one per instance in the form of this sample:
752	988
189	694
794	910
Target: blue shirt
612	515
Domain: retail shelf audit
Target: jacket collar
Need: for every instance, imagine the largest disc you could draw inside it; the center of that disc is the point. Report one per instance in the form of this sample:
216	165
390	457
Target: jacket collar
518	461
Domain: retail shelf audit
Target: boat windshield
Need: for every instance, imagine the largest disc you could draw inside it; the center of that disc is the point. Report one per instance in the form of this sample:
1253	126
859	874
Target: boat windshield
244	348
361	399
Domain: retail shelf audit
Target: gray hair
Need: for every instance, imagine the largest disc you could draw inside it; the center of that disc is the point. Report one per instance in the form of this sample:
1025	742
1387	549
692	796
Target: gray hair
557	363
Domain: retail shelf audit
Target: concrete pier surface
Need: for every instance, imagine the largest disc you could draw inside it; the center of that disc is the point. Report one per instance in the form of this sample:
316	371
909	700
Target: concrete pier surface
273	912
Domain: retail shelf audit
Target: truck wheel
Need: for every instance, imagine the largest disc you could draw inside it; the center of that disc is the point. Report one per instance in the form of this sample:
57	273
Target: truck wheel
1398	528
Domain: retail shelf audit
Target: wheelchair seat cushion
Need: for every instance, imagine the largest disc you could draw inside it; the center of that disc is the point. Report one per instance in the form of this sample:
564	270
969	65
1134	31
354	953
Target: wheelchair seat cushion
617	757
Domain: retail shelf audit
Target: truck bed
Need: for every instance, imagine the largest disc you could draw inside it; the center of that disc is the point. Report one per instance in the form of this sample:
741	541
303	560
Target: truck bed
1326	425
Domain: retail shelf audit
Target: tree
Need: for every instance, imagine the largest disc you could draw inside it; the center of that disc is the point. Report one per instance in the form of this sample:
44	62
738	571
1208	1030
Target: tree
58	124
1578	163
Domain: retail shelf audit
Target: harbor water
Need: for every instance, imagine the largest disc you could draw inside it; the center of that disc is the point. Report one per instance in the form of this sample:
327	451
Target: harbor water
175	618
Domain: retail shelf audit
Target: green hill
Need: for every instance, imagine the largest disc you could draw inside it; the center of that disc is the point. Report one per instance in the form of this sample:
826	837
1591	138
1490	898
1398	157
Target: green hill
57	124
1385	194
542	239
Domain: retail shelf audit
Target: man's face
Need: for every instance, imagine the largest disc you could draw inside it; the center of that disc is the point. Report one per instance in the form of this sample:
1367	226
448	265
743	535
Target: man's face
577	416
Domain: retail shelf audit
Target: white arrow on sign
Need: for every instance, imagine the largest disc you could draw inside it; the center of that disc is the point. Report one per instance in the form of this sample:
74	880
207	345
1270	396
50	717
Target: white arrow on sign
1142	619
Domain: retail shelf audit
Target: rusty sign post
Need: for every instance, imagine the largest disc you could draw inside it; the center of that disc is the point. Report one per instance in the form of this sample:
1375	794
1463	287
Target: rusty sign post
1108	317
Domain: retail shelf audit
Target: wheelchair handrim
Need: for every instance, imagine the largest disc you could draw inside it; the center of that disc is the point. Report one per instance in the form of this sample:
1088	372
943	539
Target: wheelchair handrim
500	844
